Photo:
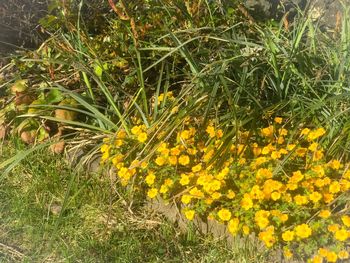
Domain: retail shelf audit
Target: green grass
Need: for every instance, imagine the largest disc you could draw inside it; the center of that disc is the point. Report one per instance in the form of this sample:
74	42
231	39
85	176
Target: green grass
51	213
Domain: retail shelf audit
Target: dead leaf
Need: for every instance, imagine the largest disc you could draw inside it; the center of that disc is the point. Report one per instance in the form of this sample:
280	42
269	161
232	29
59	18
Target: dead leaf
58	147
3	131
28	136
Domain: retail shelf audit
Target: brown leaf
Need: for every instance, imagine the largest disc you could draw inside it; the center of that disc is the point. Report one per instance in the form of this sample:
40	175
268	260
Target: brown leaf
3	131
65	114
28	136
22	98
58	147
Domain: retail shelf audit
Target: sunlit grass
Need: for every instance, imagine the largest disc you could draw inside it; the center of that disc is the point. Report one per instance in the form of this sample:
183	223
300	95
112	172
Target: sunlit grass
52	213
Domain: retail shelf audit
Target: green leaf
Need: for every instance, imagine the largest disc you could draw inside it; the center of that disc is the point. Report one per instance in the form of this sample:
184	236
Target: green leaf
54	96
98	71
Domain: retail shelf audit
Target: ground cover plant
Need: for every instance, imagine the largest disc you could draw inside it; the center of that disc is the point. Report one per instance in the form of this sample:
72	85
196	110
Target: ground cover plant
240	121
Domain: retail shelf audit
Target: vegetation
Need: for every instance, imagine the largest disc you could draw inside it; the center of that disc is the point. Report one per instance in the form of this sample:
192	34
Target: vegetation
196	102
50	212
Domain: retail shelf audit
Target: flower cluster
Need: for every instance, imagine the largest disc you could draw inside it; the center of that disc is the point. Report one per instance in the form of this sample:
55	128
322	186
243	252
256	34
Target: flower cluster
270	182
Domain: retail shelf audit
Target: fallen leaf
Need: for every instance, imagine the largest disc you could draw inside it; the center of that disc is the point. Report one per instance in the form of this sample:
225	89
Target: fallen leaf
3	131
58	147
28	136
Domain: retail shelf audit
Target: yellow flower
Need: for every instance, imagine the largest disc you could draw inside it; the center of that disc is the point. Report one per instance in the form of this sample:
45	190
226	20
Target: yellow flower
136	130
256	151
347	174
160	160
334	164
246	202
233	225
118	143
184	160
275	155
328	198
283	217
211	131
301	152
197	168
346	220
142	137
316	134
315	197
160	98
343	254
256	193
305	131
267	132
219	133
288	235
224	214
297	177
192	151
341	234
267	236
318	155
230	194
195	192
189	214
292	186
317	259
186	199
278	120
174	110
152	193
280	140
275	196
242	161
163	189
263	173
261	218
303	231
287	253
144	165
215	195
175	151
168	182
172	160
300	199
185	135
246	230
323	252
334	187
208	201
344	185
117	159
318	169
185	179
291	147
121	134
325	214
163	148
331	256
150	178
333	228
313	147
